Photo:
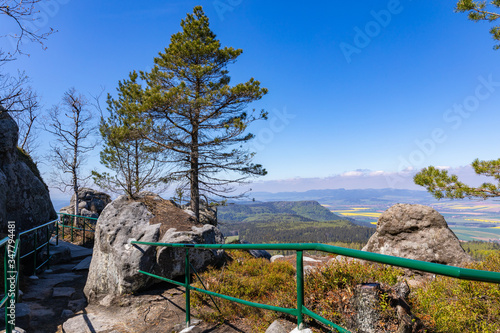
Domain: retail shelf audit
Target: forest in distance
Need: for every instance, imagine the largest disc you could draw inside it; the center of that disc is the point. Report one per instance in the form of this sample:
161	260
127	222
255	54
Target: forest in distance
289	222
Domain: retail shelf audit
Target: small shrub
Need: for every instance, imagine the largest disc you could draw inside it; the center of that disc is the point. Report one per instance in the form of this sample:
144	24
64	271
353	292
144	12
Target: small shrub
329	289
452	305
255	280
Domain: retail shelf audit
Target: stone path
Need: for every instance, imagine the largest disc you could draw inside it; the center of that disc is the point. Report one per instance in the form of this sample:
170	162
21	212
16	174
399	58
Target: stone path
56	294
54	303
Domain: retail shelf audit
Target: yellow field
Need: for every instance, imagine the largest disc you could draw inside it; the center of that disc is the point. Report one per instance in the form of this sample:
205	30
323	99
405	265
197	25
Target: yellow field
362	214
357	211
484	220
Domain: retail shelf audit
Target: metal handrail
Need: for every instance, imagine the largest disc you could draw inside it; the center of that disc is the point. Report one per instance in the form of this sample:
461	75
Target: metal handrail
12	266
73	227
300	310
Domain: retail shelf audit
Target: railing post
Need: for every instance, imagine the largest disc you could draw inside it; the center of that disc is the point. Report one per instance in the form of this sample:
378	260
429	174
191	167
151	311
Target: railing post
57	231
72	227
34	254
300	288
63	227
48	270
188	289
18	266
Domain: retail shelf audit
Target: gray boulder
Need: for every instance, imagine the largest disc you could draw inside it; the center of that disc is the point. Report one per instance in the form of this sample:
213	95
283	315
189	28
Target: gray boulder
91	203
208	215
24	197
417	232
115	265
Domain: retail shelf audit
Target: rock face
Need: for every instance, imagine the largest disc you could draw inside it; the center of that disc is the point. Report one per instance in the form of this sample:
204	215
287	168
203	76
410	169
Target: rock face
91	203
24	198
115	262
416	232
370	305
208	215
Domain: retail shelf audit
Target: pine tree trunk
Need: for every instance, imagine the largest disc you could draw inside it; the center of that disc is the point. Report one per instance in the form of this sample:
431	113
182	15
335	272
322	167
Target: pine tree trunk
195	189
75	163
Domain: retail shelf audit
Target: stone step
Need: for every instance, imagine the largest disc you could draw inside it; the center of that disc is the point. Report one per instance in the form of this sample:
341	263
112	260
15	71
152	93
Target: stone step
77	252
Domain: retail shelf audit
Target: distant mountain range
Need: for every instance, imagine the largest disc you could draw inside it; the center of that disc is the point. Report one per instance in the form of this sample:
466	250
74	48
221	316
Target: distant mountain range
350	197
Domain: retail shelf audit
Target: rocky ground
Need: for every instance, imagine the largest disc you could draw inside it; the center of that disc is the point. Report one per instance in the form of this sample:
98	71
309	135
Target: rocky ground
55	303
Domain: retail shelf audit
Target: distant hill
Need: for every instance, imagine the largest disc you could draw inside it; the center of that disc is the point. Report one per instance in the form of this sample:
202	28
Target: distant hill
269	211
288	222
345	197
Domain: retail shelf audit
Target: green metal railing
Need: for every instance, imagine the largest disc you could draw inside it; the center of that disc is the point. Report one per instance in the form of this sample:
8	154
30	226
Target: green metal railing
37	247
75	222
12	257
10	280
301	310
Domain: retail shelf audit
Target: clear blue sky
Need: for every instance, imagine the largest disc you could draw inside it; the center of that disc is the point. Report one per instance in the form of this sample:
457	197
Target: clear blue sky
341	100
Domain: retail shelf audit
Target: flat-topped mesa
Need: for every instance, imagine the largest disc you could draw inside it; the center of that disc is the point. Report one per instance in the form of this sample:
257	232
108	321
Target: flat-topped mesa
115	265
24	198
417	232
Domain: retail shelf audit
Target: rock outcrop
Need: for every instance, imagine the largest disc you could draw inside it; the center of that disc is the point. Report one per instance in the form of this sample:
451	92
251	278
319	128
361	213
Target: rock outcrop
208	215
91	203
24	198
116	262
417	232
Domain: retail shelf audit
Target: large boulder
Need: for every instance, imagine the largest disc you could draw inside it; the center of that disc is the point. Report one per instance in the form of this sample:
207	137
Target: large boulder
208	215
91	203
24	197
115	265
417	232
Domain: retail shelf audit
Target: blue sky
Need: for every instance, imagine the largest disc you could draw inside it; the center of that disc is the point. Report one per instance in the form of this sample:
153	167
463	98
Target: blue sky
359	89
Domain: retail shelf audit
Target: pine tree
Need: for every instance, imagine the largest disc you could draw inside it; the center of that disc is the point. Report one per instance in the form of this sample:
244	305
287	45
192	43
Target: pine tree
134	164
442	185
482	11
195	113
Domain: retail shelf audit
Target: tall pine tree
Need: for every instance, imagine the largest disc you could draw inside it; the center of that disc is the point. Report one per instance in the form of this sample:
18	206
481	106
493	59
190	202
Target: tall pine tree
195	113
134	163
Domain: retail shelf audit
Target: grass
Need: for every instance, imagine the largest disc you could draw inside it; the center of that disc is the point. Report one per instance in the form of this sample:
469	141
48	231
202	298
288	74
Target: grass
261	281
452	305
444	304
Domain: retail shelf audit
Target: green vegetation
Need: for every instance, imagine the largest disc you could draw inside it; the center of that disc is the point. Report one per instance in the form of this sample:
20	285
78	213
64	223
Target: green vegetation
310	210
452	305
480	250
301	232
441	185
326	291
194	115
443	305
26	158
289	222
482	11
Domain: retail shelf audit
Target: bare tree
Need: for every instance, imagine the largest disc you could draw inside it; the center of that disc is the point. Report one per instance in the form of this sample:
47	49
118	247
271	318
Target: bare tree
23	103
72	125
21	12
